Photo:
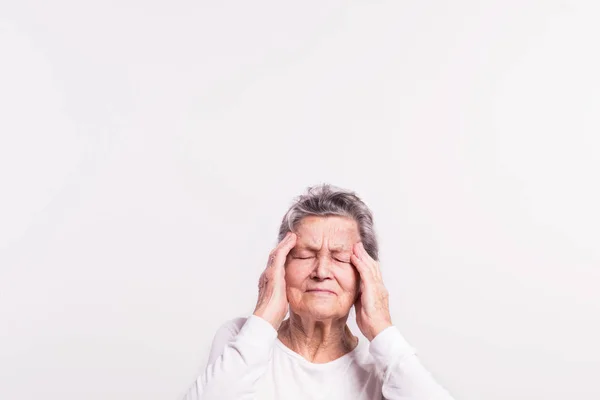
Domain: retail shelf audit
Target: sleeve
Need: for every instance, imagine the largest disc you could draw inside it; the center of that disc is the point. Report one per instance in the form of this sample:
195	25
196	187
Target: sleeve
236	362
404	377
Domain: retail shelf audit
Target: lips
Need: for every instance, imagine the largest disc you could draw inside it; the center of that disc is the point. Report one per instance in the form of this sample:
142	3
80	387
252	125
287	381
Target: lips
321	291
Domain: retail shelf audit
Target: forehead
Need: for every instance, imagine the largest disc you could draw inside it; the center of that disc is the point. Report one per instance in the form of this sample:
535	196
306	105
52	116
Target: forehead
337	231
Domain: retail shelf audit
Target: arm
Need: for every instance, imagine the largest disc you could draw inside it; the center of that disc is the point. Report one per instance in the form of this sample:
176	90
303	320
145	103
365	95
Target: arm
238	358
404	377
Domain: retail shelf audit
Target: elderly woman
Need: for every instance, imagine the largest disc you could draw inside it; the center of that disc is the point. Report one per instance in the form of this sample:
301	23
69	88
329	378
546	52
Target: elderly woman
325	263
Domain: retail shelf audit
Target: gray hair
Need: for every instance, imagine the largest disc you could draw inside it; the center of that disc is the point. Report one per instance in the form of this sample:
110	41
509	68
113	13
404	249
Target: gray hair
328	200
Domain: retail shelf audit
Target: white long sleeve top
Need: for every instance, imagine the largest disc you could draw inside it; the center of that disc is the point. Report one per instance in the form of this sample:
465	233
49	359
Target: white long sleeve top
248	361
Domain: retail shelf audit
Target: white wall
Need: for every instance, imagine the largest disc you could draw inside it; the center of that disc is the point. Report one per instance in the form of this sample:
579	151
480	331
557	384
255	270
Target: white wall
149	149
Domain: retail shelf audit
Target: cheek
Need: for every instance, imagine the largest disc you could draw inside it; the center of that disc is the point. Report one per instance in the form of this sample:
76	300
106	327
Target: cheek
348	278
296	274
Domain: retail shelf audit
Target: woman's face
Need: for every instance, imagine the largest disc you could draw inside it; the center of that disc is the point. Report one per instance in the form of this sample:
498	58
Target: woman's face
321	281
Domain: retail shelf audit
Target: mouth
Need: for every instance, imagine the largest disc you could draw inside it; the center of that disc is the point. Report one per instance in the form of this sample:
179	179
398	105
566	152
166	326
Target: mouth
320	291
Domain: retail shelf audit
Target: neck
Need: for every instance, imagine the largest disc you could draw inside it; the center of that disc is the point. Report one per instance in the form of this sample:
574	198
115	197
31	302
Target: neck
317	341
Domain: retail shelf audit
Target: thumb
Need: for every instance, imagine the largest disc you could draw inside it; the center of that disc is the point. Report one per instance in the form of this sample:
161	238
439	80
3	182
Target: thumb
358	295
358	303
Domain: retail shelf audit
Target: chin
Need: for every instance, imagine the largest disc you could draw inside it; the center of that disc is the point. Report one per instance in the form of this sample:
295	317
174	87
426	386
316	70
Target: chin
319	316
322	311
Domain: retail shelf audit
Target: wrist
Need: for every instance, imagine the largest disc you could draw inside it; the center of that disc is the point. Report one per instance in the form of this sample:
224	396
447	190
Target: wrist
274	320
377	329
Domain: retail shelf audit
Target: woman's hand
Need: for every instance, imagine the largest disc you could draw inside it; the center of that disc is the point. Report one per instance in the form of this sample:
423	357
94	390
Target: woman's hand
272	304
372	306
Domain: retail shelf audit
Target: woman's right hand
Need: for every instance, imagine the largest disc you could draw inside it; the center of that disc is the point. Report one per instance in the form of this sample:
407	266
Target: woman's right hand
272	304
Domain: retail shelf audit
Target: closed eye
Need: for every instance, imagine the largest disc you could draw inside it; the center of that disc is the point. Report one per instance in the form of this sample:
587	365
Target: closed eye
309	257
343	261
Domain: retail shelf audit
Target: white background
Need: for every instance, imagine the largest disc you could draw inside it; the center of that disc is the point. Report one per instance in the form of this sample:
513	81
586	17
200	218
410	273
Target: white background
148	151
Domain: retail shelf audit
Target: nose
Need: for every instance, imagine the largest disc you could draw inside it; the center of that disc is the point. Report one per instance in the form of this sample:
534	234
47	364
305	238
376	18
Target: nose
322	269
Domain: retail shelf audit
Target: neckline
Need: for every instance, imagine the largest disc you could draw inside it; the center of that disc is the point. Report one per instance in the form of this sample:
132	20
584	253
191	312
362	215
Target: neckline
340	360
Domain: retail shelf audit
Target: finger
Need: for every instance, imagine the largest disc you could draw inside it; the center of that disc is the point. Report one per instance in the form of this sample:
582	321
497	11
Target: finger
288	242
279	254
362	252
363	269
366	257
358	304
359	251
377	269
279	245
368	272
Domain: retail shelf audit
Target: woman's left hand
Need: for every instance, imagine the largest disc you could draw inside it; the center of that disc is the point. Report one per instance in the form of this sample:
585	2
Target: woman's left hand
372	306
